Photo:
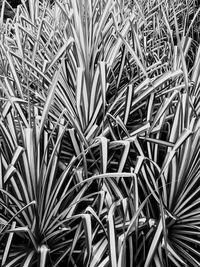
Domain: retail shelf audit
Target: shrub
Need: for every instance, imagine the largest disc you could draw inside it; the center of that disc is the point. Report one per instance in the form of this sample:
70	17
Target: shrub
99	131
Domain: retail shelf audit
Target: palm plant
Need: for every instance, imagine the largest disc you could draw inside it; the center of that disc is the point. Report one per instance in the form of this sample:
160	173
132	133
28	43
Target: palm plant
99	134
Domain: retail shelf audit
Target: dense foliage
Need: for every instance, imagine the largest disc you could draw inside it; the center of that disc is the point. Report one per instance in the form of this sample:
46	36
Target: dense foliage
100	134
